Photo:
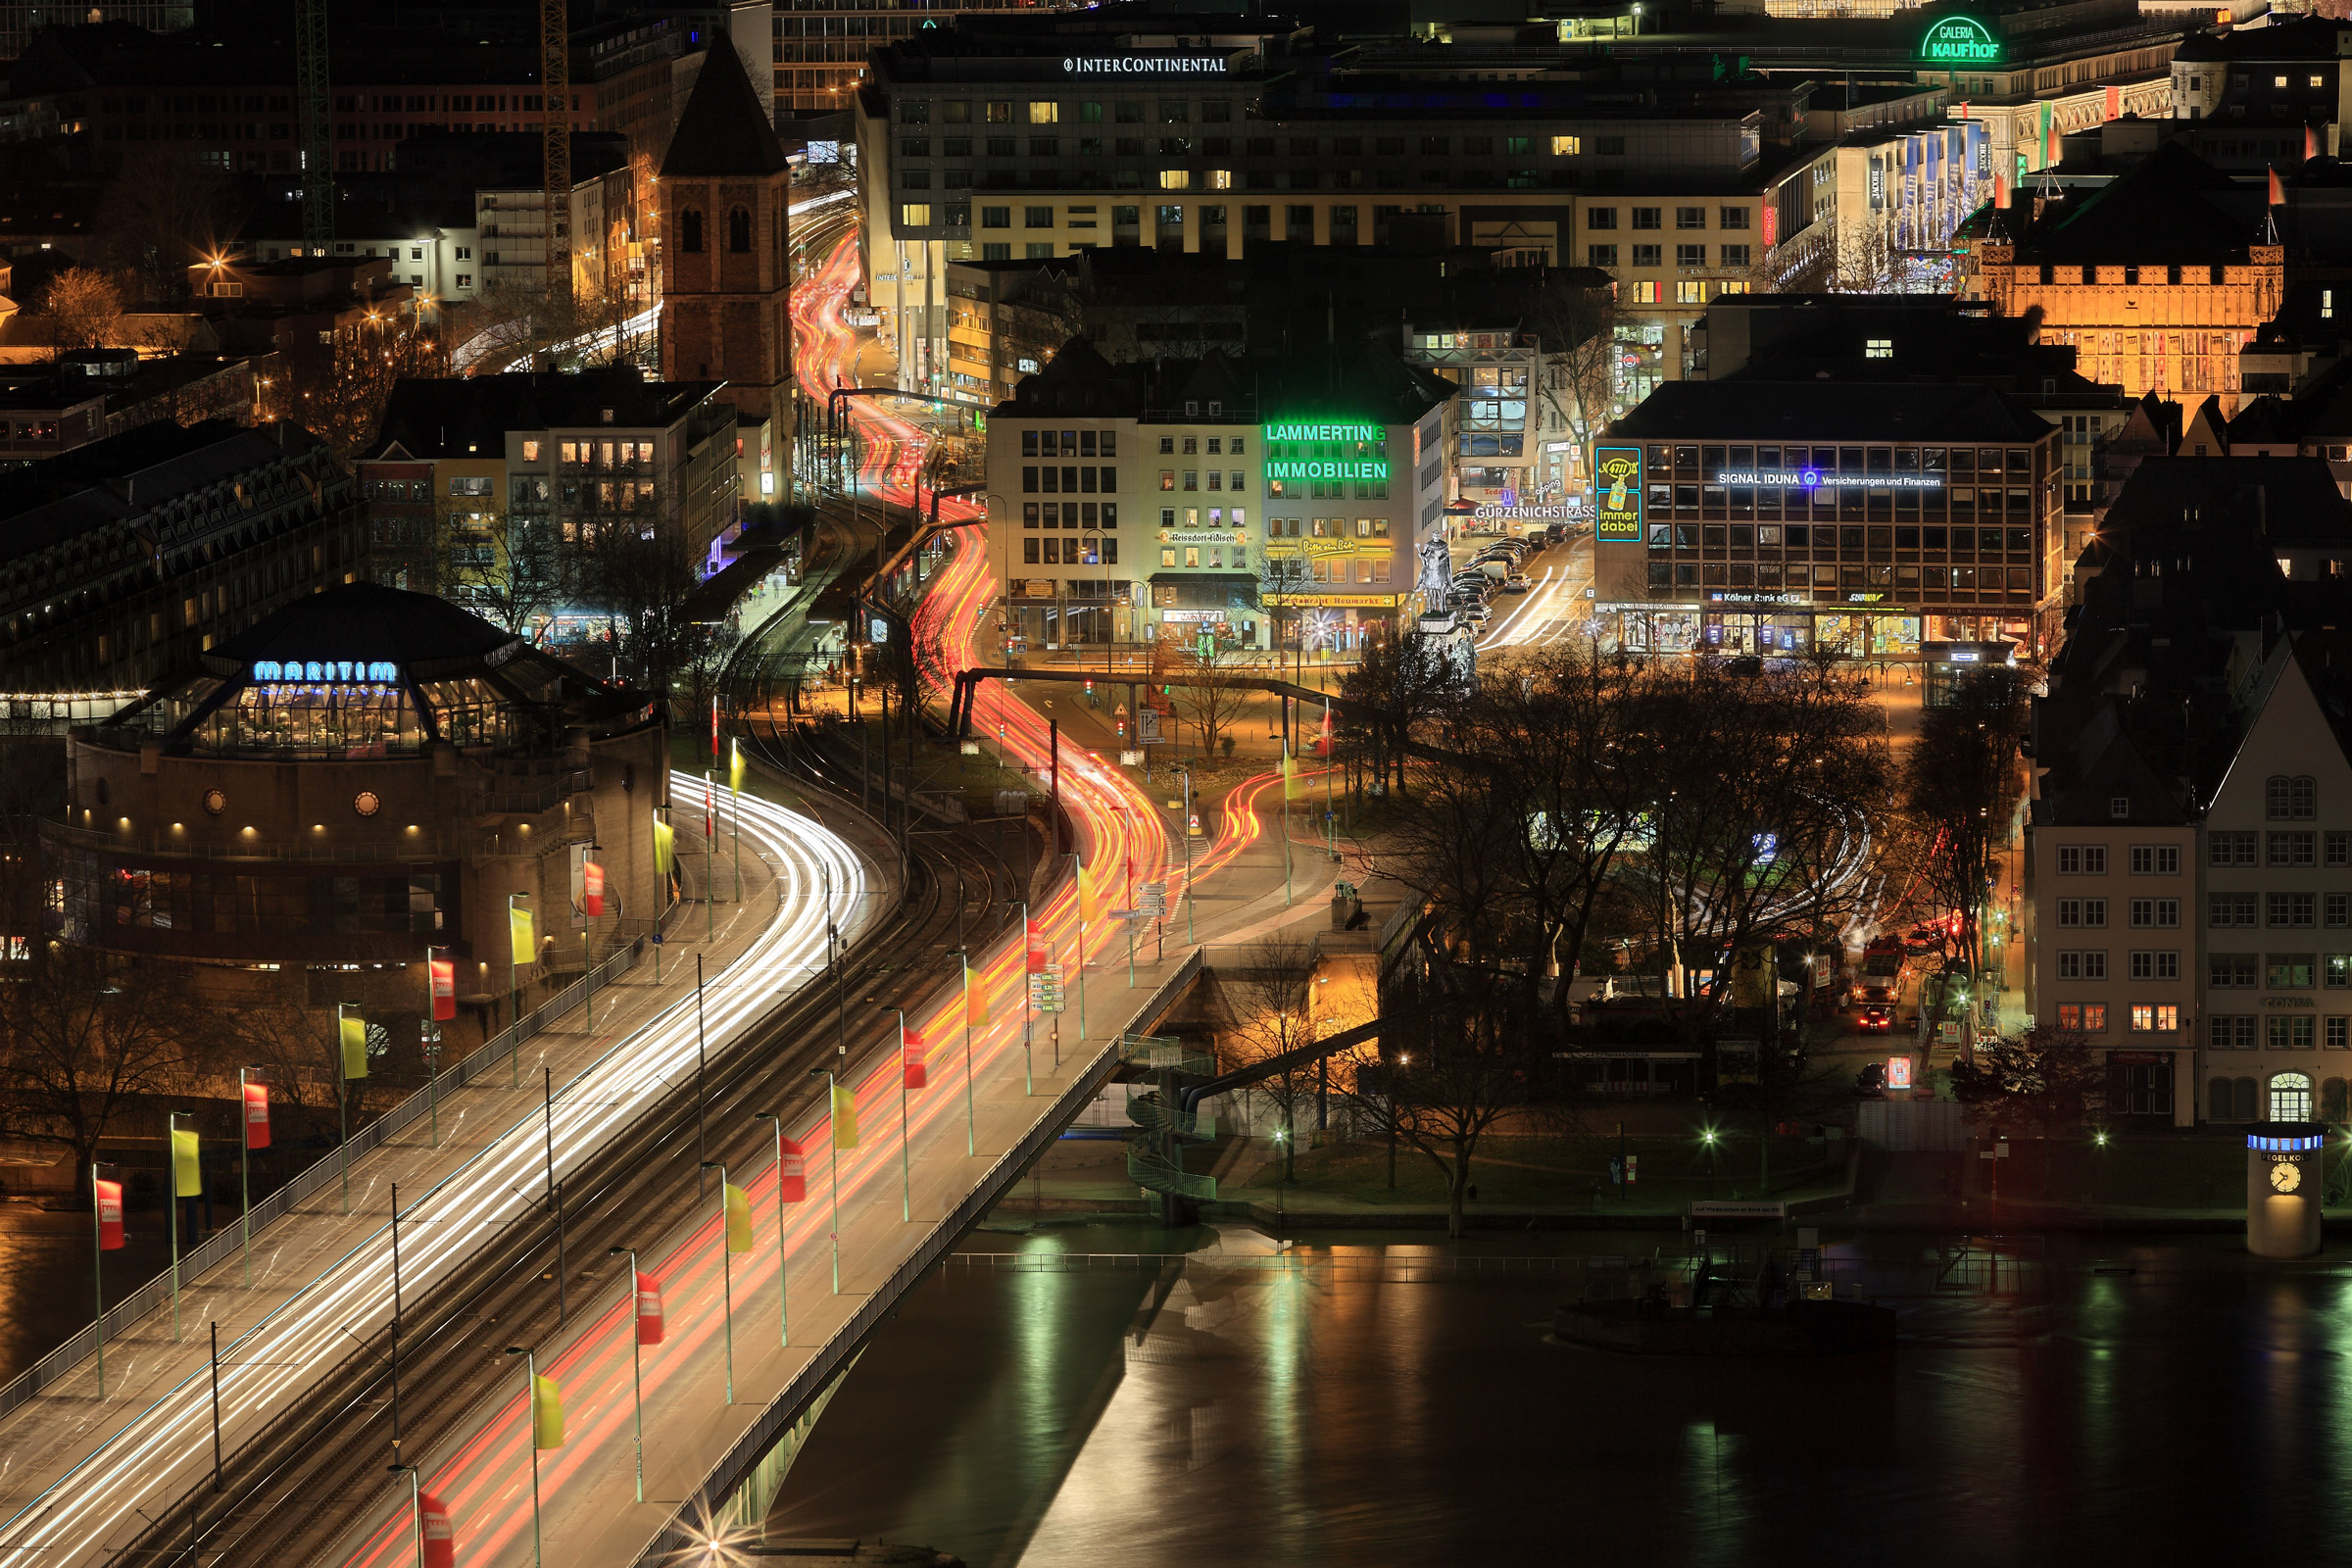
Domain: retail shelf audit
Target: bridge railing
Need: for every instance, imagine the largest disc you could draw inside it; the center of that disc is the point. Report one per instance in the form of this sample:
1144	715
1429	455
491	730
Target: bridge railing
494	1053
677	1538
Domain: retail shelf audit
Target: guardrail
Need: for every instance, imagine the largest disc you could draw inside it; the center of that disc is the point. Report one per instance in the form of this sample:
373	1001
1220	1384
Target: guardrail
223	1243
677	1539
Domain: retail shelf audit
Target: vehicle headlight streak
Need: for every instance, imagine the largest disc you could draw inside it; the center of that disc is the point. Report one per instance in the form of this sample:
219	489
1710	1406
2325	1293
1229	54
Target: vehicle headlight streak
164	1448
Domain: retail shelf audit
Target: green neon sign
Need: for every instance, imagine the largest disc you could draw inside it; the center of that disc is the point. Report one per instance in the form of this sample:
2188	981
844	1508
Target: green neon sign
1959	41
1329	468
1300	431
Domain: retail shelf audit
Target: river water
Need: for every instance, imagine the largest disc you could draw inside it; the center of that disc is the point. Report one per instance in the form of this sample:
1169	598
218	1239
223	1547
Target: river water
2194	1408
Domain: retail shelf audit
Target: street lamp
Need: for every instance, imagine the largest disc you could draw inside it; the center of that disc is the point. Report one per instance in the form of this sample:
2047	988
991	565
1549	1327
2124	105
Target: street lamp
415	1508
636	1363
783	1258
906	1176
530	1418
726	1258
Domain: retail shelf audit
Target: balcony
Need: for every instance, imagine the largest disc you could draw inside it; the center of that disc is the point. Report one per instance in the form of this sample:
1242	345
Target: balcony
317	848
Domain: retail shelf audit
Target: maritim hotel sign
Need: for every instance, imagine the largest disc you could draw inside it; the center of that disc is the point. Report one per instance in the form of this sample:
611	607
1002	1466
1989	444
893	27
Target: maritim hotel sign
1144	64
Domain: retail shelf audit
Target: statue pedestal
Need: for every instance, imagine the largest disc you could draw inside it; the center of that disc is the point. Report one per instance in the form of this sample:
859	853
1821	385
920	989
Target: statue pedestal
1437	625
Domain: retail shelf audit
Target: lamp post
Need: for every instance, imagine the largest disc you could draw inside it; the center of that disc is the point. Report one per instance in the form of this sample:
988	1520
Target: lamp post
514	963
1185	830
726	1258
636	1364
530	1421
172	1198
906	1168
702	1143
588	961
1028	1009
245	1172
415	1508
1081	879
833	1143
783	1256
971	1138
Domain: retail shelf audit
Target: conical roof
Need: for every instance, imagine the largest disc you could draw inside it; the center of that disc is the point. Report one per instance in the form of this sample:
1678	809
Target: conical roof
723	130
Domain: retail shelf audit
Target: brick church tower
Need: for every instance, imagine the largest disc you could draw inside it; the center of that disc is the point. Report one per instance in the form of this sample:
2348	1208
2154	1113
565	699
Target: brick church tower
726	281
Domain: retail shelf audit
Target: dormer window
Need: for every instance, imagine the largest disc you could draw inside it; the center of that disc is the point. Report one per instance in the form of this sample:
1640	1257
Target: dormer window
2118	806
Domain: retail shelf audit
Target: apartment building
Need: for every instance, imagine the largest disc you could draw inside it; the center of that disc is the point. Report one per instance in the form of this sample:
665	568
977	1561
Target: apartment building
2191	832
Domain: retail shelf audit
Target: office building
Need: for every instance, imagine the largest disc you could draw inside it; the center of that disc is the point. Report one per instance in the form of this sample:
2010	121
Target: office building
1251	502
1762	517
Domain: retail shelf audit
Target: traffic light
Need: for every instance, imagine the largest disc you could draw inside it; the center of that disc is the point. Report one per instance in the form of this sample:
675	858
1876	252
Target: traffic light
1090	686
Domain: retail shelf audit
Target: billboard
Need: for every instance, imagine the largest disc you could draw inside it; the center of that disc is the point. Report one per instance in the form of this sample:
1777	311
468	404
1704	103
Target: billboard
1617	494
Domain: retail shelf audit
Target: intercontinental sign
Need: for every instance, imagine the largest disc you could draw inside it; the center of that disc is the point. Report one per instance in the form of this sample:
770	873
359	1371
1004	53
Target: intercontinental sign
1144	66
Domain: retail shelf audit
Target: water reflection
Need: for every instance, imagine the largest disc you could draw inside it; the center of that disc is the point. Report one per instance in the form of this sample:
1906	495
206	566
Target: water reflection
2190	1411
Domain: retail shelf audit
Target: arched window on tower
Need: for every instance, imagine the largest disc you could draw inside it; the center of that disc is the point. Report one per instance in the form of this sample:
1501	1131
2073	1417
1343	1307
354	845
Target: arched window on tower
739	231
690	232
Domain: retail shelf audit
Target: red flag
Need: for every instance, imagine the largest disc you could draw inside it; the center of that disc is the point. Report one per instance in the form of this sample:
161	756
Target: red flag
2000	190
445	988
440	1534
793	1174
110	1216
714	727
648	1308
256	1115
2114	103
592	889
2277	190
1038	949
918	1074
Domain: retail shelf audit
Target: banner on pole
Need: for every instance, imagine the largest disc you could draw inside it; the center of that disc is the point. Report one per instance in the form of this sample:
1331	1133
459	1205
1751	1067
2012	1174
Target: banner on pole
256	1115
350	1032
649	1310
110	1216
845	1117
444	979
187	1178
739	1218
547	1413
793	1173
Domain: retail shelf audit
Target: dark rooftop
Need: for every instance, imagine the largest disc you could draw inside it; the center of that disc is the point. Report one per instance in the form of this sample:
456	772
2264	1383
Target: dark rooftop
1830	410
453	417
722	130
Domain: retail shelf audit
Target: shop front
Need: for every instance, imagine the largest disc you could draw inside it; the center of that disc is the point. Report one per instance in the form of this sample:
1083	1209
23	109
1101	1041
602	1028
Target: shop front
1046	614
1333	625
1211	612
1787	626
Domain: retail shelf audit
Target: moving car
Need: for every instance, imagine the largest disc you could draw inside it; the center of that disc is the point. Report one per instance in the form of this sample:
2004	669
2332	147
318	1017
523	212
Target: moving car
1876	1019
1516	584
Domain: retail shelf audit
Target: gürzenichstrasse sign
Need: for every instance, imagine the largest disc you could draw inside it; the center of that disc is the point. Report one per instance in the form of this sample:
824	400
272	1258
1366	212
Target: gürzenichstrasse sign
1144	64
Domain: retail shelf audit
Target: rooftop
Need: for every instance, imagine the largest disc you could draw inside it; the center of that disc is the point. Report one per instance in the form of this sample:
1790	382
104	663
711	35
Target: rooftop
722	129
1830	410
471	416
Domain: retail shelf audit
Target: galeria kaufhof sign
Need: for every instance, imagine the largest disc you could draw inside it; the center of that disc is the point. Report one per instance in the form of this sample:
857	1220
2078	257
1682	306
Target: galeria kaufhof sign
1286	433
1959	41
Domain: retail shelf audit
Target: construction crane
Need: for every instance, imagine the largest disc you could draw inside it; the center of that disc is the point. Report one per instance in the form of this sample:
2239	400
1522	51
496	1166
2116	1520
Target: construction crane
310	82
554	74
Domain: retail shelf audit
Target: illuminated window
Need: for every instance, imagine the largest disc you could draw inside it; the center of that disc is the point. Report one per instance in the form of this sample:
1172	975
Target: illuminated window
1879	348
1043	114
1567	146
1175	179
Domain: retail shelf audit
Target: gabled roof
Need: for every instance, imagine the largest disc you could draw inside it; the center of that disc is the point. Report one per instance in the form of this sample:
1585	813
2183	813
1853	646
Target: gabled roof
2172	207
723	130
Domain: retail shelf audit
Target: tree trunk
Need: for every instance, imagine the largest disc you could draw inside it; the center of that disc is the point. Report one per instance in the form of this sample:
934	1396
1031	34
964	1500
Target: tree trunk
1458	1181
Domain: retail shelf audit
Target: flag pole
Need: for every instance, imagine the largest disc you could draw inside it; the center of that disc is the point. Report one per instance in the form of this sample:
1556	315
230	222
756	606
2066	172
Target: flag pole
171	1196
98	1272
726	1264
244	1174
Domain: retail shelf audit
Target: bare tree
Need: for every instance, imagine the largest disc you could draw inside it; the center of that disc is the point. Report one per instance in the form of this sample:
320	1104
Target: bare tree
2046	1079
503	566
1270	1000
643	577
1398	686
1211	698
162	213
343	401
1458	1059
84	309
1575	326
1961	785
84	1035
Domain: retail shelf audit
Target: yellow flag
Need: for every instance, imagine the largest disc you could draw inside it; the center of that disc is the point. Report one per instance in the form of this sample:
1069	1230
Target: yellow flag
547	1413
186	1181
739	1219
845	1117
664	837
352	1031
735	765
1292	786
1086	897
522	939
975	1000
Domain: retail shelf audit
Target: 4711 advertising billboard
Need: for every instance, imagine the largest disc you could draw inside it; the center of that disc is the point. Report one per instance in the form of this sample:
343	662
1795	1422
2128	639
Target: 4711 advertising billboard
1617	494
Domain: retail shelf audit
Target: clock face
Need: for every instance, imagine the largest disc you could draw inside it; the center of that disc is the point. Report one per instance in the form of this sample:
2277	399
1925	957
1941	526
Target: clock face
2286	1176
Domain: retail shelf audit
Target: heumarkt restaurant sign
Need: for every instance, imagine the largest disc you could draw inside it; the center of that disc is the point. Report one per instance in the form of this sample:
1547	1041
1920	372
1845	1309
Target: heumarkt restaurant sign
1959	41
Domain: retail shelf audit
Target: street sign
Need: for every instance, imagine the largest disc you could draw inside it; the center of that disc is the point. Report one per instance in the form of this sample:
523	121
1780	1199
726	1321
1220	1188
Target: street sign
1044	990
1147	726
1716	1208
1152	900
